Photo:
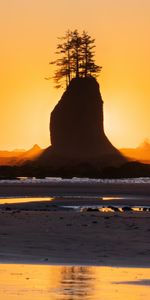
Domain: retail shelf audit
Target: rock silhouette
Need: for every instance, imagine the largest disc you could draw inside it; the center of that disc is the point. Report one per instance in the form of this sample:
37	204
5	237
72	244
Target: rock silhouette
76	129
76	123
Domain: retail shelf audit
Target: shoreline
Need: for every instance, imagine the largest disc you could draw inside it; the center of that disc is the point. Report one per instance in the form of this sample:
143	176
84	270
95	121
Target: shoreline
112	264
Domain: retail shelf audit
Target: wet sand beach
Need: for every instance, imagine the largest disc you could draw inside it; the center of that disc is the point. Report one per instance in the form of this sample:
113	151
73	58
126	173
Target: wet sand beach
44	282
36	234
51	232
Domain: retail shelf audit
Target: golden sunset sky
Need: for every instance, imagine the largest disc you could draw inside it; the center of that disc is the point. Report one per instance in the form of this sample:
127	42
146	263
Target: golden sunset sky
29	31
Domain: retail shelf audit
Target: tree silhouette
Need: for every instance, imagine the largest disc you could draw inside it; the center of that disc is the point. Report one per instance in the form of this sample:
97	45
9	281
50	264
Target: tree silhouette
89	68
76	58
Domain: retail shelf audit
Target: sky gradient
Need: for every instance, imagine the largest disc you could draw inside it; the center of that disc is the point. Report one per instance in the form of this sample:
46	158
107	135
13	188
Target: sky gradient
29	31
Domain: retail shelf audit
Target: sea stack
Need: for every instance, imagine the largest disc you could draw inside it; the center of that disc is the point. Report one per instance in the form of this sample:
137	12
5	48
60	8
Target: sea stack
76	126
76	123
79	145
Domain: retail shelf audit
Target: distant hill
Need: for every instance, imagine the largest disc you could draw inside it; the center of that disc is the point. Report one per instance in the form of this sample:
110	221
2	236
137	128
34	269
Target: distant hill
141	153
13	153
18	157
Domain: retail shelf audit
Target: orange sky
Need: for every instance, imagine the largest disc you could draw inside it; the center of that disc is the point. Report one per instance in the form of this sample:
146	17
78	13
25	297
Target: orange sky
29	31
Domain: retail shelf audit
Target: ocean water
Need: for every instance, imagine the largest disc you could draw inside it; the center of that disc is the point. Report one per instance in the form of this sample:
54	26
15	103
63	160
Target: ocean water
80	190
43	282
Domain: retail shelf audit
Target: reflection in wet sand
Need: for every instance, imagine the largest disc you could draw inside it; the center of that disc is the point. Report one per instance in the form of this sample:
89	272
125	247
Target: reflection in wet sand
28	282
24	200
80	204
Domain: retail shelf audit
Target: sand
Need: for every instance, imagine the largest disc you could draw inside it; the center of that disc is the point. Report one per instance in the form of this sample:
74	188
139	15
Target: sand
36	233
70	237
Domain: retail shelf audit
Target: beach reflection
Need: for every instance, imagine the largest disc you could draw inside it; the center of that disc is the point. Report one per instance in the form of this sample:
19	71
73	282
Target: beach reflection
24	200
41	282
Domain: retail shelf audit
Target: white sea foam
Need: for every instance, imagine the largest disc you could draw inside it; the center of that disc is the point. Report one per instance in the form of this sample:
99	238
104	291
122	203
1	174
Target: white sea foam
75	180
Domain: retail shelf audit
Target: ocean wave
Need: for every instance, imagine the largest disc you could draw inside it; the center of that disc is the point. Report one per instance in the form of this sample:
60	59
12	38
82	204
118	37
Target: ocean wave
75	180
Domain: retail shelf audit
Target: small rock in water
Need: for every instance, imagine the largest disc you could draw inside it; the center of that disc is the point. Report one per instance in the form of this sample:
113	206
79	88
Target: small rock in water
114	208
92	209
126	208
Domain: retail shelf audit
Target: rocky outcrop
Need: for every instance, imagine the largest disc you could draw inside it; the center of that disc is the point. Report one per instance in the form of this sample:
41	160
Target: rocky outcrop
76	129
76	124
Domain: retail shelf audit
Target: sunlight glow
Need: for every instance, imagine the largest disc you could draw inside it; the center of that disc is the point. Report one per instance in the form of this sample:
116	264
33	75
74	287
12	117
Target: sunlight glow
72	282
29	31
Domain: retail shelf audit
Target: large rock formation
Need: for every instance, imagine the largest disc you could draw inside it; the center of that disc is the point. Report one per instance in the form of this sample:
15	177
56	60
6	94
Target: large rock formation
76	124
76	129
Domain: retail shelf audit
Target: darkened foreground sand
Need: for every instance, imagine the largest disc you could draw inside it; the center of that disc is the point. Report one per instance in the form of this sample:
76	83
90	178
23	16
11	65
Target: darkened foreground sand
70	237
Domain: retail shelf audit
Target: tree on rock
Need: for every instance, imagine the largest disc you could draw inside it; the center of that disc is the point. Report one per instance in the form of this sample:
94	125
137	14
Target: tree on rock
89	67
63	63
76	58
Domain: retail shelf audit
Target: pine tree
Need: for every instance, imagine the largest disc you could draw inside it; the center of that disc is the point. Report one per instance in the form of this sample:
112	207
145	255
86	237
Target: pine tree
89	67
63	63
76	58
